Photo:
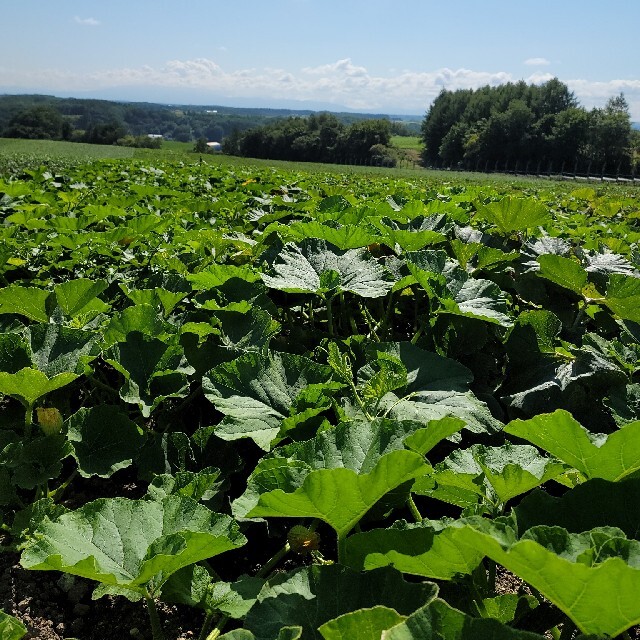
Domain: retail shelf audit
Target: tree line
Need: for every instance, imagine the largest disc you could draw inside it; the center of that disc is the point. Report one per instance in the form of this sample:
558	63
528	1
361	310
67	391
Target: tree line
321	137
105	122
530	127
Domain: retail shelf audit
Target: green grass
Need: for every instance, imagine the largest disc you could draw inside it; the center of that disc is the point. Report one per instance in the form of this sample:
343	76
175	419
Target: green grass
407	142
61	149
83	151
17	155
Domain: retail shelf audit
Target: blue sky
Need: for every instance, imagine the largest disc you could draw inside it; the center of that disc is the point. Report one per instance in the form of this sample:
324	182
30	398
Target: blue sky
367	55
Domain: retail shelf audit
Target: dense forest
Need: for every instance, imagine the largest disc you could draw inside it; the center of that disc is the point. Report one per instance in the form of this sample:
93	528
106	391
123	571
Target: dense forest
530	127
106	122
318	138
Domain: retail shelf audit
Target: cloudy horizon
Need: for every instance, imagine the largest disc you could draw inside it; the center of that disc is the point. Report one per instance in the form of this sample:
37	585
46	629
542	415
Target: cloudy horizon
111	51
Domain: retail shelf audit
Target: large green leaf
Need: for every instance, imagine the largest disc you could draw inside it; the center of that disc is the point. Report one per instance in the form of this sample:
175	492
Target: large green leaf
480	299
27	385
250	331
596	503
76	297
14	353
426	549
575	378
195	587
198	485
131	544
153	370
347	236
623	296
56	349
311	596
425	438
362	624
493	474
436	387
514	214
341	497
439	621
25	301
357	446
563	271
104	440
158	298
593	577
34	462
410	240
612	457
216	275
256	393
315	266
143	318
534	333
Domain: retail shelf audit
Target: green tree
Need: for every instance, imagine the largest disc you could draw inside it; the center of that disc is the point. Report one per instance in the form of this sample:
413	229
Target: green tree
201	146
107	133
357	140
182	133
609	138
447	109
566	142
452	148
41	122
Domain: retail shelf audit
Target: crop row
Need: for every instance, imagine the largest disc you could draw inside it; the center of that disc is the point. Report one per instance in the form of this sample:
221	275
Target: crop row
408	388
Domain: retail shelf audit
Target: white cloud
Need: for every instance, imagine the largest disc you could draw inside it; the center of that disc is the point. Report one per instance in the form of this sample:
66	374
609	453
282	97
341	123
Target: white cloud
342	67
537	62
87	22
342	83
539	78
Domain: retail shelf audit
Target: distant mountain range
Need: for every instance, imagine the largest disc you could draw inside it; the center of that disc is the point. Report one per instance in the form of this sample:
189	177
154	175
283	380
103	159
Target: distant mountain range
193	99
174	121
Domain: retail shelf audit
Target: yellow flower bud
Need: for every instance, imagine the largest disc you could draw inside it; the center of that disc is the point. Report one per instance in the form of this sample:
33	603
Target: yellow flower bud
50	420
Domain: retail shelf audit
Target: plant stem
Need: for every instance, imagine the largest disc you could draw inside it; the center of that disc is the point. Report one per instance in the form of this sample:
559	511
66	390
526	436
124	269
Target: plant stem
103	386
58	491
156	626
263	573
360	403
188	400
414	509
217	630
329	301
579	316
478	602
371	323
491	575
417	334
205	625
270	564
342	549
387	322
28	421
311	318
